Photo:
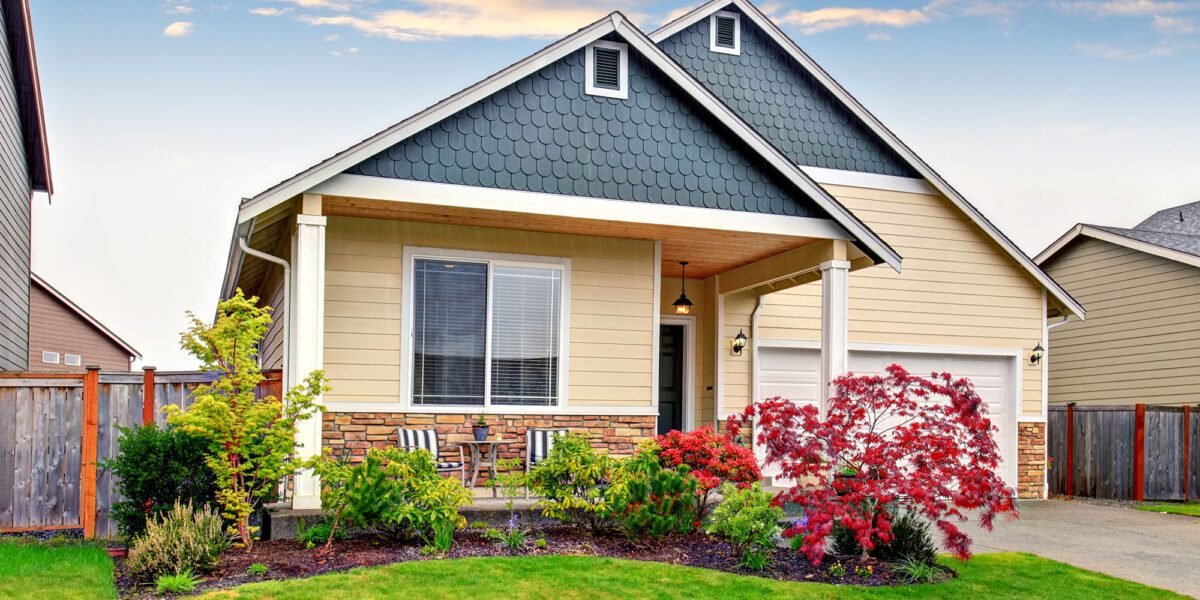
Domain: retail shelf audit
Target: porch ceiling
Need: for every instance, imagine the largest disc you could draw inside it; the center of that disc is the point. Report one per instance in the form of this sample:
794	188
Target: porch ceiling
707	251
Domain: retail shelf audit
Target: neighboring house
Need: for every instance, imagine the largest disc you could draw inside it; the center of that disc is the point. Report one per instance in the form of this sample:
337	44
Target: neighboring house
1141	343
515	250
64	337
24	169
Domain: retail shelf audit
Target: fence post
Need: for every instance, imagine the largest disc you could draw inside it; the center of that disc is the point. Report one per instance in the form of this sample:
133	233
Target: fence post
1187	452
91	427
1071	449
147	395
1139	452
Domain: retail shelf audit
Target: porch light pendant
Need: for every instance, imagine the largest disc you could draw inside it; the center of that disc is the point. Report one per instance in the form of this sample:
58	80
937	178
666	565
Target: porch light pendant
683	305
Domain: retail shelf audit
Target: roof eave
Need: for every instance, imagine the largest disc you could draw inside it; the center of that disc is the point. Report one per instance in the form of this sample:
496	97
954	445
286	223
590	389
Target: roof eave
1118	239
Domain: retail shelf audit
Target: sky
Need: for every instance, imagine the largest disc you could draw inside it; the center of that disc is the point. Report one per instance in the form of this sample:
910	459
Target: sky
162	115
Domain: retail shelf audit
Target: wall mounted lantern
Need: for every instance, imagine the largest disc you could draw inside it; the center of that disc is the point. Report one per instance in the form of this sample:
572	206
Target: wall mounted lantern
683	305
1035	357
739	343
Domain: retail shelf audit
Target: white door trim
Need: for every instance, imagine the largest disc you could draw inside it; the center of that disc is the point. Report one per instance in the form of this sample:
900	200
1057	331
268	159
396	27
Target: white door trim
689	366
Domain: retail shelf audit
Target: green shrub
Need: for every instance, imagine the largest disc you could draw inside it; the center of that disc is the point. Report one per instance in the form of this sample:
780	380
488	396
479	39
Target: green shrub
652	502
574	482
153	469
755	559
911	538
746	519
393	493
176	583
318	533
513	538
540	544
912	570
181	541
258	569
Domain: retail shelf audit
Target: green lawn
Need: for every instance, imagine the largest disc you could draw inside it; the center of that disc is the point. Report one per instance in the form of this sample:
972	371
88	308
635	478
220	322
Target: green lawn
986	576
1191	510
55	570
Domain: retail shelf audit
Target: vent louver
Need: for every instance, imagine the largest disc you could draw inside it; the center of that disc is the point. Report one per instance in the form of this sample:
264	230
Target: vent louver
726	30
607	62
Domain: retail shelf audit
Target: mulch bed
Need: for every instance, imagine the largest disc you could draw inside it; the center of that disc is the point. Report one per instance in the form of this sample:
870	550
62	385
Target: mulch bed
289	559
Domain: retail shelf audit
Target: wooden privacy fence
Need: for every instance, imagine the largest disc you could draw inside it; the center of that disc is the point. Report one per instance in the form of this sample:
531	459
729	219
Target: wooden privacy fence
56	427
1134	452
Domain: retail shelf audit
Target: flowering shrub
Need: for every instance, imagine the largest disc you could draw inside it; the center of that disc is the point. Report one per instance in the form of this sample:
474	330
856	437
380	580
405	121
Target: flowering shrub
934	458
714	460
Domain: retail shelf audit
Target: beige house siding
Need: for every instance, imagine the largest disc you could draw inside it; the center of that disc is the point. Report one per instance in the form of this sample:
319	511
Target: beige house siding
611	320
957	288
271	348
55	327
1141	340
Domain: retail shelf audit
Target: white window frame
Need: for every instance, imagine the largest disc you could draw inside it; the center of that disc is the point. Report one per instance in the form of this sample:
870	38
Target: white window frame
408	320
73	360
51	358
737	33
622	91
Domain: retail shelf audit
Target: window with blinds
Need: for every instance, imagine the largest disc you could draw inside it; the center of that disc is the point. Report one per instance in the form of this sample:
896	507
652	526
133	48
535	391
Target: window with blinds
485	332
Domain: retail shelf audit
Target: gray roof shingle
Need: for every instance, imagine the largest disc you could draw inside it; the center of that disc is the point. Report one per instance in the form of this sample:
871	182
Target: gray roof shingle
1176	228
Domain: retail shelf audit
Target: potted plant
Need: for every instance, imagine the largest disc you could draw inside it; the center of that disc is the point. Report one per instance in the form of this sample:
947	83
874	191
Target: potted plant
480	429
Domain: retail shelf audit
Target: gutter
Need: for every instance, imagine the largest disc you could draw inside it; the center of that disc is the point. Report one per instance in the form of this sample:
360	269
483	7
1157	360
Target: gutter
1066	319
287	302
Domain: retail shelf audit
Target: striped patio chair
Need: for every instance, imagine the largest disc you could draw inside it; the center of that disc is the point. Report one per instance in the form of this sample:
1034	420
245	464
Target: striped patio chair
427	439
538	443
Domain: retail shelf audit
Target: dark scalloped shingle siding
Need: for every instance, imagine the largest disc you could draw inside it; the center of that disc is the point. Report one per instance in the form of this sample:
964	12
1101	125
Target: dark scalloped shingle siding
783	103
544	134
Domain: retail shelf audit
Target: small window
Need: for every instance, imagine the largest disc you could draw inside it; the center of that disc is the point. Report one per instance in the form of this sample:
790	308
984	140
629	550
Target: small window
607	70
72	360
50	358
725	33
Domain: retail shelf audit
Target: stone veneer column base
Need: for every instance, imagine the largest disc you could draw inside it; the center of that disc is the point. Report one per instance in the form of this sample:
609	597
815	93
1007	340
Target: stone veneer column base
1031	460
356	432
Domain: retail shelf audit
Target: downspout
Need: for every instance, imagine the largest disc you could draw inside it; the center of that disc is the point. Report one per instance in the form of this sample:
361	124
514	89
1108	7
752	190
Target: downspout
762	300
287	302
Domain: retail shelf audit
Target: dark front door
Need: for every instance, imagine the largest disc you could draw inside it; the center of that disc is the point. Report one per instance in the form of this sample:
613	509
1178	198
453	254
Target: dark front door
670	378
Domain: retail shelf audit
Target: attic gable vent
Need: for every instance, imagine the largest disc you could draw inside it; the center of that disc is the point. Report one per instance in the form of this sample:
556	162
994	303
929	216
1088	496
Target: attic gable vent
725	33
607	70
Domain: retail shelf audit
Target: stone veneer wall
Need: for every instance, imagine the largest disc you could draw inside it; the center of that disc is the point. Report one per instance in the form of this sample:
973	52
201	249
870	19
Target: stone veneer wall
1031	460
356	432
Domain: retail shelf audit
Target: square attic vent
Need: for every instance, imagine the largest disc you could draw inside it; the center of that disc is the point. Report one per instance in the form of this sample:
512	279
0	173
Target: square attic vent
608	70
725	33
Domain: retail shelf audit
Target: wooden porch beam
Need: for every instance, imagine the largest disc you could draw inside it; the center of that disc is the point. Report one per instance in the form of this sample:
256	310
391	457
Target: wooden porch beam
784	270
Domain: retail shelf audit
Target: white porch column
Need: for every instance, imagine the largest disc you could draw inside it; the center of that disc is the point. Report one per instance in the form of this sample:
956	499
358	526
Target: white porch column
307	319
835	325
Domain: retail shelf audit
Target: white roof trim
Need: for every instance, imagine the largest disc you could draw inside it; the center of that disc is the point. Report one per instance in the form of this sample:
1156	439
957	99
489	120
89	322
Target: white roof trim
1118	239
879	129
306	180
84	315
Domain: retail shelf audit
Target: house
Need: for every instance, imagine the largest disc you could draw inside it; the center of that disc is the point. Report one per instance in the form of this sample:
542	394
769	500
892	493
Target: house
24	169
519	250
64	337
1142	342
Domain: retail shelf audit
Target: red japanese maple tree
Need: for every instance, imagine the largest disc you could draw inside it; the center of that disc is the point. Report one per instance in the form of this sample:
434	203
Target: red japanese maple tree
922	444
714	459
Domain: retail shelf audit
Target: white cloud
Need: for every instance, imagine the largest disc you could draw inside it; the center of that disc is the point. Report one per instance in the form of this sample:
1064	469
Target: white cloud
1131	54
333	37
1174	24
879	36
179	9
435	19
270	11
337	5
178	29
826	19
1130	8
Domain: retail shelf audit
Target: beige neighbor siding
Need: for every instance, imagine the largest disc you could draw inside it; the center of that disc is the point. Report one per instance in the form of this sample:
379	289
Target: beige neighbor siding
612	289
1141	340
958	288
271	348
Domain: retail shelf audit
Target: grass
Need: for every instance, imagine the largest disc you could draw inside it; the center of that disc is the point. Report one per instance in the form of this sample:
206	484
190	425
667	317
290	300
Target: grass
986	576
55	570
1191	510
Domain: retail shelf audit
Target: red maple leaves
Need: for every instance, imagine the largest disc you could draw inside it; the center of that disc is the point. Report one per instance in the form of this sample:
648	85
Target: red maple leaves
904	441
714	459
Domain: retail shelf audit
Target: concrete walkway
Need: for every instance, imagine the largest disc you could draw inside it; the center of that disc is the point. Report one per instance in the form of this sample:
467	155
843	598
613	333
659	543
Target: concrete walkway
1150	548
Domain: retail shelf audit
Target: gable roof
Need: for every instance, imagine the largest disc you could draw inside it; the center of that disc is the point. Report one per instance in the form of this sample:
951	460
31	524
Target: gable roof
1172	233
18	29
871	243
752	13
49	289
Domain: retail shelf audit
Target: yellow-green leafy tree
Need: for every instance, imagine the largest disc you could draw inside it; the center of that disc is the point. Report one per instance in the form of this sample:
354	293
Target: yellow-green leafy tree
251	440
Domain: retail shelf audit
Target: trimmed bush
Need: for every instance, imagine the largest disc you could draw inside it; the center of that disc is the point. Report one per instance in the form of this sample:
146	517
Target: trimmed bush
748	521
181	541
653	502
575	483
154	469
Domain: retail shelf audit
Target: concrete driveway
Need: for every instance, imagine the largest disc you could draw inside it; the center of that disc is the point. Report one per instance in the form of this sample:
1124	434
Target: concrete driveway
1150	548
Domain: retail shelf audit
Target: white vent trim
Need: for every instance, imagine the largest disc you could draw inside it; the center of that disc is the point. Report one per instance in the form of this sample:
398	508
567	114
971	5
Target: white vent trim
50	358
737	32
622	91
72	360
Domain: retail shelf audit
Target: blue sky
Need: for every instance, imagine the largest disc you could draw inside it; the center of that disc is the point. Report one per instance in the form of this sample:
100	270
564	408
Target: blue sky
162	115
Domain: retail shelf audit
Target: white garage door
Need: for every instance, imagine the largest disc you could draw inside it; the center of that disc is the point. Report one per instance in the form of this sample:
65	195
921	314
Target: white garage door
793	373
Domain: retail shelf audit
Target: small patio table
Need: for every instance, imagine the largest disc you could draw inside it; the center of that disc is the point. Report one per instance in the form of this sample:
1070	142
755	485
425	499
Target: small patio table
483	454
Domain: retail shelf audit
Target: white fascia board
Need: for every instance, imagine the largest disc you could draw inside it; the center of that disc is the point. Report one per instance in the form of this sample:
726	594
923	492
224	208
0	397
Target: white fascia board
579	207
1118	239
879	129
872	181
